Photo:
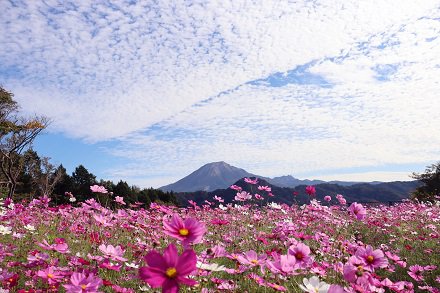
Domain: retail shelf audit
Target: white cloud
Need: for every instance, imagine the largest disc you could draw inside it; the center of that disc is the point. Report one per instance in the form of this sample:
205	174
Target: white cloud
173	83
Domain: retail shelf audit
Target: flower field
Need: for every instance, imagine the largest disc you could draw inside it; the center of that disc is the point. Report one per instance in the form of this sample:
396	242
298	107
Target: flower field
242	247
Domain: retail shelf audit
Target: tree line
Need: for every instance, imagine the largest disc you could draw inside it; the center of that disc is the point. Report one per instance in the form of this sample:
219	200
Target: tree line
24	174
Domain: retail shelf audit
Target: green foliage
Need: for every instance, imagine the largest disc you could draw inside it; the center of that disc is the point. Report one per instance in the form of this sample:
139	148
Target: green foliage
431	183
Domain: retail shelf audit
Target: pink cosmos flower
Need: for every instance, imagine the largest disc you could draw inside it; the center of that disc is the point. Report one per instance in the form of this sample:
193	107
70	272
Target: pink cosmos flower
336	289
354	269
242	196
301	254
98	189
358	210
416	272
218	198
235	187
282	264
50	275
372	258
112	252
327	198
251	258
265	188
189	231
250	181
120	200
169	270
80	282
311	190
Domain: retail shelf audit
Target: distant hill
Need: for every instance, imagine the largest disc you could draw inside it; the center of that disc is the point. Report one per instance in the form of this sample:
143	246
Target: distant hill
209	177
220	175
363	192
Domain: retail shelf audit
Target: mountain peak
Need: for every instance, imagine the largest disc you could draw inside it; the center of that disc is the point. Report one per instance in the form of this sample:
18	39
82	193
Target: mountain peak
209	177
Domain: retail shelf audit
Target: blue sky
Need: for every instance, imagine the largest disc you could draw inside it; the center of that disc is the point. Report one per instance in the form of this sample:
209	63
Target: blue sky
148	91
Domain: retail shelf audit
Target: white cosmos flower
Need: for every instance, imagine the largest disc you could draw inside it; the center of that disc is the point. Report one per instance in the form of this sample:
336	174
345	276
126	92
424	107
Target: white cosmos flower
210	267
313	285
132	265
29	227
4	230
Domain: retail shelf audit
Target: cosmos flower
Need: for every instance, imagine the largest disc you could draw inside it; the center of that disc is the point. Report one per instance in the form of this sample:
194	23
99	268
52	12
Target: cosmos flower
80	282
169	270
98	189
372	258
189	231
311	190
314	285
112	252
357	210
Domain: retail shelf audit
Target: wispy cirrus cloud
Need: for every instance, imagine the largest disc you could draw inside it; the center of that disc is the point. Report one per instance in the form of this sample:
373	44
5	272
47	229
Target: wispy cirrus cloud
276	87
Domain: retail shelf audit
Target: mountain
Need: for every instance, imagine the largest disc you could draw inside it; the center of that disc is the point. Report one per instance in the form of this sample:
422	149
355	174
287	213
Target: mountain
290	181
363	192
209	177
220	175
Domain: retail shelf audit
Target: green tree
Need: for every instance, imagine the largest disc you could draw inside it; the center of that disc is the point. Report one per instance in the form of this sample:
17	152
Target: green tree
82	180
431	183
16	136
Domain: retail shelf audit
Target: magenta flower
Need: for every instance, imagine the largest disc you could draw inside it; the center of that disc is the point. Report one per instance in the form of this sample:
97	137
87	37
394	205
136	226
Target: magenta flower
358	210
112	252
189	231
416	272
327	198
169	270
50	275
79	283
98	189
311	190
372	258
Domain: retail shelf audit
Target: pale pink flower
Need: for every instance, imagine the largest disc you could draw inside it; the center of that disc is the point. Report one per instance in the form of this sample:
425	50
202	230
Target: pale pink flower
265	188
112	252
235	187
251	258
120	200
243	196
250	181
98	189
327	198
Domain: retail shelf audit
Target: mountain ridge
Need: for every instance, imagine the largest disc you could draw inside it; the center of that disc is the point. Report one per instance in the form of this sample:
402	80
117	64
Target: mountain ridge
221	175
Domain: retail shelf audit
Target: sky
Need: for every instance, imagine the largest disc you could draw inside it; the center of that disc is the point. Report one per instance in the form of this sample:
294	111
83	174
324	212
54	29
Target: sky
149	91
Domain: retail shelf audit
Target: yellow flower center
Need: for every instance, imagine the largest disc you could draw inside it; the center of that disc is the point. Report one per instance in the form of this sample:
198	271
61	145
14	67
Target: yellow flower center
359	271
50	276
171	273
370	258
83	287
254	261
183	232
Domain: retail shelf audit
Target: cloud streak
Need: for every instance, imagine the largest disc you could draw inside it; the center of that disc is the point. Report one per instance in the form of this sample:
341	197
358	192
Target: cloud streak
275	87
